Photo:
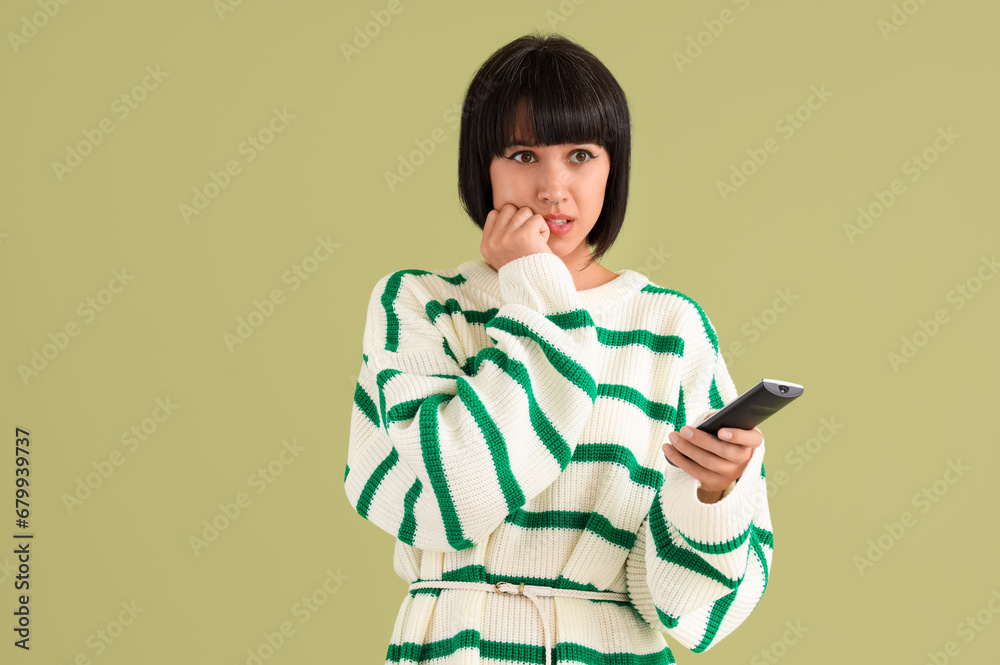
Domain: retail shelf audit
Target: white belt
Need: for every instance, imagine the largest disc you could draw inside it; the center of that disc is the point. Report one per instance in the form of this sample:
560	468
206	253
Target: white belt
522	589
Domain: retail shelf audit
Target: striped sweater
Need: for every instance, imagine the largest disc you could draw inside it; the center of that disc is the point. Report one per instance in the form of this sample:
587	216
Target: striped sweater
507	427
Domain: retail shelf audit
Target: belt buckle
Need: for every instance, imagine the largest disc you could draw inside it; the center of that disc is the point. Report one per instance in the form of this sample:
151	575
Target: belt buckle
507	593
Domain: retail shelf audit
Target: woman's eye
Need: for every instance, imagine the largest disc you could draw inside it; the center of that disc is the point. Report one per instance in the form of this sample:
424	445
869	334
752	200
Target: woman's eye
517	156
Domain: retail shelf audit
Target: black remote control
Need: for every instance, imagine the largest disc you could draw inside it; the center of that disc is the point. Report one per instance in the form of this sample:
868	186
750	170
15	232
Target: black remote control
753	407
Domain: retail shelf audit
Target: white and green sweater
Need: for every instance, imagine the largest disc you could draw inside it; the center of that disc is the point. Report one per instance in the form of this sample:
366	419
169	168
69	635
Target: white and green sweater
507	427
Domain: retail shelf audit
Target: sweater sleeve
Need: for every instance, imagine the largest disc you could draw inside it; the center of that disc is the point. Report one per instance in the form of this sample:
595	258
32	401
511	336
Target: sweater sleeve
442	451
696	571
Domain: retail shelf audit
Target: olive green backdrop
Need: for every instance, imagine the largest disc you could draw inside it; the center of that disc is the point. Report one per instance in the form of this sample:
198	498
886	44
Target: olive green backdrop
196	206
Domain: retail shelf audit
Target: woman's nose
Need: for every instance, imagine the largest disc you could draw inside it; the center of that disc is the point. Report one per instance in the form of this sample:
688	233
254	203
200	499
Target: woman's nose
552	184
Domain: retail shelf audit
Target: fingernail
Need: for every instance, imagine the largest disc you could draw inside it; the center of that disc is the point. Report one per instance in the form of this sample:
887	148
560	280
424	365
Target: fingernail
673	437
725	434
687	432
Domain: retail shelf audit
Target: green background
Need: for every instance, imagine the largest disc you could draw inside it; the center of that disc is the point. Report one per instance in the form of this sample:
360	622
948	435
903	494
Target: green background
323	176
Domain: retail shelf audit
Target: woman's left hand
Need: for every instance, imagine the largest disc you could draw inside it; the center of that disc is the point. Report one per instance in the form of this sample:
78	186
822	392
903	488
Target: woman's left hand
715	462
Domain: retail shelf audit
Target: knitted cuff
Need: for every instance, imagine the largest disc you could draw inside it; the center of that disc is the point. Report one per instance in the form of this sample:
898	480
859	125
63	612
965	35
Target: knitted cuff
541	282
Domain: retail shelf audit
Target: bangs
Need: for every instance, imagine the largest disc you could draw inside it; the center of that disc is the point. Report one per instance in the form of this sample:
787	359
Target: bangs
543	115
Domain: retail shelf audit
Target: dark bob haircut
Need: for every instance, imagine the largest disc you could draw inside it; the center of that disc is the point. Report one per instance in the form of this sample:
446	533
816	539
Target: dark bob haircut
565	95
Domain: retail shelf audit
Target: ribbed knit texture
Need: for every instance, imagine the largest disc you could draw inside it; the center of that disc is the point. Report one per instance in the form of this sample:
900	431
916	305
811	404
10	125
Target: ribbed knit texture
509	427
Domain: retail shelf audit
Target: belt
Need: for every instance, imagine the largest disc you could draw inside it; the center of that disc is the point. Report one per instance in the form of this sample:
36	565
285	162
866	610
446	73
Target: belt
522	589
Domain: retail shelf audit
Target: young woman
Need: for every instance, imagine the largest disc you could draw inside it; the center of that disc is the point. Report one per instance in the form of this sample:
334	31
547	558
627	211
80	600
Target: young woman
522	424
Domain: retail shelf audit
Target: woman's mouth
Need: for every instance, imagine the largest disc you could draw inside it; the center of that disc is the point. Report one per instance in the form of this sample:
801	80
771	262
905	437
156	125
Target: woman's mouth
560	226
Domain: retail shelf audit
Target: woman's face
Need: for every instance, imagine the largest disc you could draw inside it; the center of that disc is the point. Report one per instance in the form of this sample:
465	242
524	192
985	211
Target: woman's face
572	174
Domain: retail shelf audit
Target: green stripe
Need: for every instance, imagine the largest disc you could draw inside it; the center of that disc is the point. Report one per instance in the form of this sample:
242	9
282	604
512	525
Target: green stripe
569	368
668	620
569	519
407	410
366	404
477	573
763	536
546	431
431	449
714	398
518	652
719	609
680	419
706	324
447	349
641	337
570	651
718	548
380	380
577	318
435	308
656	410
347	471
371	485
498	446
763	561
567	321
616	454
429	433
409	524
388	298
668	551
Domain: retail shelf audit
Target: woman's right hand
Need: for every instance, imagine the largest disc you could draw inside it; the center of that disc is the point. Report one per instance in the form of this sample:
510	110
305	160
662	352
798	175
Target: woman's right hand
512	232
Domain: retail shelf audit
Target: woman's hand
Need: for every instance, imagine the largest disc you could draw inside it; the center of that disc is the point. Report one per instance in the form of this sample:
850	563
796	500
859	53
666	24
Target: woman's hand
715	462
512	232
